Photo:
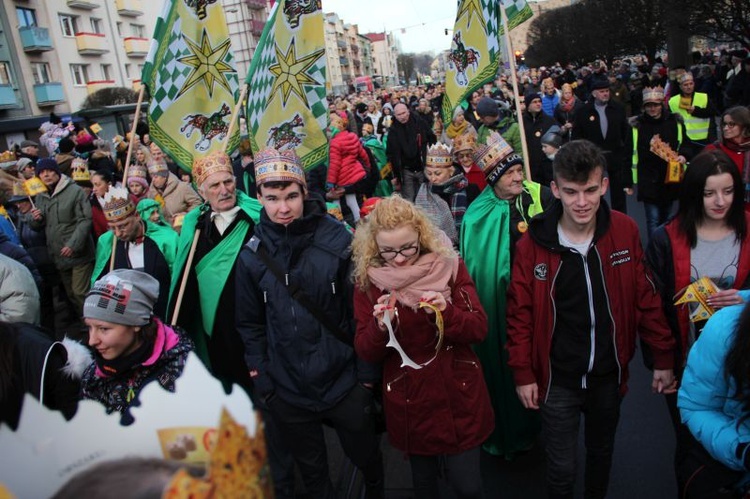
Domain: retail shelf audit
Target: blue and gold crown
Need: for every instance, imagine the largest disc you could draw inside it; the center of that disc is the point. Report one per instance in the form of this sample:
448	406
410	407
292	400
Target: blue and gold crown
495	158
439	156
272	165
116	204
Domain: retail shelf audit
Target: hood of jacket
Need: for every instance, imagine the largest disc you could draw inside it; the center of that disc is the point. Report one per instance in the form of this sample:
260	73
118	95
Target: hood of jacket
543	227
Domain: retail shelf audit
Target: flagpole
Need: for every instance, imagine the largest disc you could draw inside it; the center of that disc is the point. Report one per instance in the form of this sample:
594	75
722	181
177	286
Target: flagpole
114	248
234	117
185	274
516	98
132	135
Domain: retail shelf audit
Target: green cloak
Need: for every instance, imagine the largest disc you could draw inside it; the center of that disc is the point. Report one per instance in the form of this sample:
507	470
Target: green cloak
485	244
211	271
164	236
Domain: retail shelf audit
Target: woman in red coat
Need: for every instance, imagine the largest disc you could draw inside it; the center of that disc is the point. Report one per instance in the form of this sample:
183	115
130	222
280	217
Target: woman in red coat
413	290
348	163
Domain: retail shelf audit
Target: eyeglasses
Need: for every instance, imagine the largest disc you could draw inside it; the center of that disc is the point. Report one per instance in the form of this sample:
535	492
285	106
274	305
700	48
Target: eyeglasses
406	252
728	124
463	155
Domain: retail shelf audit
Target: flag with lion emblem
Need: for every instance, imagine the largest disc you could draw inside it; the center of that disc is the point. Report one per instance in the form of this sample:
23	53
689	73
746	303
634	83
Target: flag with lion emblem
475	50
286	103
191	79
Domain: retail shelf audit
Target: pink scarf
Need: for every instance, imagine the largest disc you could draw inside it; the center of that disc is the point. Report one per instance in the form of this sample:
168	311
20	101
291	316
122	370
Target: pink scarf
431	272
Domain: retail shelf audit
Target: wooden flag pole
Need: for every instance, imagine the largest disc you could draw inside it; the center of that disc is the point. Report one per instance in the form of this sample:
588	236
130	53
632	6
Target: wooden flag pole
234	118
516	98
112	257
132	135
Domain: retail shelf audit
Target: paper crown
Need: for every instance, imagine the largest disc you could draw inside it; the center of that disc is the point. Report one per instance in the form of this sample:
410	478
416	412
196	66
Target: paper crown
79	170
653	94
464	142
116	204
157	168
439	155
698	292
686	76
495	158
206	166
34	186
137	171
272	165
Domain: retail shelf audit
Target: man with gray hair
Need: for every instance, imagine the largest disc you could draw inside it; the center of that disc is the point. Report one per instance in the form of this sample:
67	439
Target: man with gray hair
408	139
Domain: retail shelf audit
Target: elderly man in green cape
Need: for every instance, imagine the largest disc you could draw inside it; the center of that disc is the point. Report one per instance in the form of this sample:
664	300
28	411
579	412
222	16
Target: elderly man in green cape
490	228
134	243
223	224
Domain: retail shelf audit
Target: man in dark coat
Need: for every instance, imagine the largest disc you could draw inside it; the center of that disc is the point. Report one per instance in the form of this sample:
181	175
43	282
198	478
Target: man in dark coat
535	124
408	139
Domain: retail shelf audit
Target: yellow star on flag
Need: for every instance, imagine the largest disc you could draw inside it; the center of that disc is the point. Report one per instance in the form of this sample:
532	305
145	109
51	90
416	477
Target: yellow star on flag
471	8
291	73
207	63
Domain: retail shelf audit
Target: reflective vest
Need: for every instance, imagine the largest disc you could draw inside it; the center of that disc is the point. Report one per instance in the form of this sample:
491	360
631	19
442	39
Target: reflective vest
534	190
635	149
697	128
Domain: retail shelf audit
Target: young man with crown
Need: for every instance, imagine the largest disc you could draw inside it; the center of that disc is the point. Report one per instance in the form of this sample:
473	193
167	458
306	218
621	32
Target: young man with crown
133	243
491	226
297	324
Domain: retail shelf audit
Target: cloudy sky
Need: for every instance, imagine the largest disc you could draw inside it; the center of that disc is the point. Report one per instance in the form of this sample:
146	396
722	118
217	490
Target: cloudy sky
418	24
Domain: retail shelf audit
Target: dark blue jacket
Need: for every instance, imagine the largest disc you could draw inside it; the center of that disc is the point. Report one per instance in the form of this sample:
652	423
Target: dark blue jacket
16	252
288	352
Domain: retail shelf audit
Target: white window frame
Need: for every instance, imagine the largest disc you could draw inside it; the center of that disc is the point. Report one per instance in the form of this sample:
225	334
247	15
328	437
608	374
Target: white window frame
80	74
106	70
138	30
28	18
128	69
6	77
68	25
96	25
40	72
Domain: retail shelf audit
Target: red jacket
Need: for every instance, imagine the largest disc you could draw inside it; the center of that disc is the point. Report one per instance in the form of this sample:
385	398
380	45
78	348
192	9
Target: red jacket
633	301
347	159
443	408
737	156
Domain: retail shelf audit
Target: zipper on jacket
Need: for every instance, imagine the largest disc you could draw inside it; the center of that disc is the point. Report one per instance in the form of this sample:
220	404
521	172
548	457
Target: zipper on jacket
592	333
388	385
554	324
612	318
470	362
333	287
265	296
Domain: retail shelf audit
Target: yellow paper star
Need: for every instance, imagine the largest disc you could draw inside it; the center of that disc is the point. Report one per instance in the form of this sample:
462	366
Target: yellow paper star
471	8
207	63
291	73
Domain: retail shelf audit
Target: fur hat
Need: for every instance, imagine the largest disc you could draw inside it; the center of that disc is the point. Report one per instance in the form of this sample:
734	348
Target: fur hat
215	162
272	165
123	296
495	158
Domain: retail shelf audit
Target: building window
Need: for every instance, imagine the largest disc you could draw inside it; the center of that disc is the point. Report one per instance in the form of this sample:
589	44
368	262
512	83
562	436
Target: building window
127	70
119	29
26	17
137	30
107	72
68	25
80	74
5	73
40	72
96	25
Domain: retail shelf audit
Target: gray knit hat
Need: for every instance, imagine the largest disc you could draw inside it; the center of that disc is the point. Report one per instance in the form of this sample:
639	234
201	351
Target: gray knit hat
124	297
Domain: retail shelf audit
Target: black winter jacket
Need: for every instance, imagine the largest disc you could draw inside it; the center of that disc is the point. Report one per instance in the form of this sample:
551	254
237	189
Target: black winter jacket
288	352
587	126
407	144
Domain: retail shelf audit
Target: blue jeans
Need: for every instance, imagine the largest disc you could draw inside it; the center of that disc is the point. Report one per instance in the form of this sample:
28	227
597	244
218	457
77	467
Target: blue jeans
656	215
561	416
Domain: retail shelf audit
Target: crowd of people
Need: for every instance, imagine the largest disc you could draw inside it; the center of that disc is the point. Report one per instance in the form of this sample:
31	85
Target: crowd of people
419	275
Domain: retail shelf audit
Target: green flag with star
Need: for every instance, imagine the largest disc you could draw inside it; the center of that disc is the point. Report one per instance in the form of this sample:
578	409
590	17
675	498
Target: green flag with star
191	80
475	51
286	102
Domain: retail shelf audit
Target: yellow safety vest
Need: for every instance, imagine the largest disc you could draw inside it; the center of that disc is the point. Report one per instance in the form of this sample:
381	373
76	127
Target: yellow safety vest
696	128
635	149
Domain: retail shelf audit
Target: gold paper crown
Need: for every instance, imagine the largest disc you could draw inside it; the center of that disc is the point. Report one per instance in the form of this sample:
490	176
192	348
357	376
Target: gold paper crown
687	75
495	157
79	170
653	94
439	155
272	165
157	167
137	171
206	166
464	142
116	204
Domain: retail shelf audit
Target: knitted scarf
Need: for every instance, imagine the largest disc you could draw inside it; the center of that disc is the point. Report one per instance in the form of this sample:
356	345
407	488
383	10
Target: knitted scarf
567	105
455	190
430	272
453	131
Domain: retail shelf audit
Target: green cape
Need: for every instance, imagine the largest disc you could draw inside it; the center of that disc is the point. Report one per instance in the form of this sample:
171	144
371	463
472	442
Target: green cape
165	238
485	244
211	271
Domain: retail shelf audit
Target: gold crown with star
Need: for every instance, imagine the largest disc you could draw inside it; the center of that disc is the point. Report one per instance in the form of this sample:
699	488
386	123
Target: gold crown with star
215	162
116	204
439	156
272	165
495	158
79	170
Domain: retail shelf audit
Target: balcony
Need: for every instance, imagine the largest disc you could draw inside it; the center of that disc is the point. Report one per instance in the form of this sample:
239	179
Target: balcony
136	47
7	97
256	4
129	8
95	86
341	44
256	27
84	4
343	61
49	94
35	39
91	43
355	49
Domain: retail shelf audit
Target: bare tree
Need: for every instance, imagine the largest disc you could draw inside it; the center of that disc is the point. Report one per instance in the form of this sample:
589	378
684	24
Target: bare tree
113	96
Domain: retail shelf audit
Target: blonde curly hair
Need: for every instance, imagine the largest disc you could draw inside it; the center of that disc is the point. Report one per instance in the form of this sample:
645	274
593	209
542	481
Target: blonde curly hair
391	213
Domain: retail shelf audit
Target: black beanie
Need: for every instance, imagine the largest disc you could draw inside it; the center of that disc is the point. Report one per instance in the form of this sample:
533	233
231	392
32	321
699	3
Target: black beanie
66	145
